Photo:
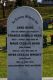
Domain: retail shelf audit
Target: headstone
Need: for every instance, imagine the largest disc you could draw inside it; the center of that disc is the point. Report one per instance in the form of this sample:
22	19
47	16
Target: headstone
45	25
24	44
52	39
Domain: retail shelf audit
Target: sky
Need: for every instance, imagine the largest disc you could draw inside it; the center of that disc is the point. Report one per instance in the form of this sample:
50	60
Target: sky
39	0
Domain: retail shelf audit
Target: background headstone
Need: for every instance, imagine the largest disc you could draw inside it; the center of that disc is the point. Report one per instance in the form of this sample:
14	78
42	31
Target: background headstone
52	39
45	25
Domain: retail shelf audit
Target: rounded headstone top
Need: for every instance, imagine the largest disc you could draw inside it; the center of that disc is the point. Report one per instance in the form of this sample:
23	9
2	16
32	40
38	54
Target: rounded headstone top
23	15
25	10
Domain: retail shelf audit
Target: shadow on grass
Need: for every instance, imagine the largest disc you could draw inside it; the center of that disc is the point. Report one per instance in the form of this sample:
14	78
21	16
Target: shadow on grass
3	49
49	44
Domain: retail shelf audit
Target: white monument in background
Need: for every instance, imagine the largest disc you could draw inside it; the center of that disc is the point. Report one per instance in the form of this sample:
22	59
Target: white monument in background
39	1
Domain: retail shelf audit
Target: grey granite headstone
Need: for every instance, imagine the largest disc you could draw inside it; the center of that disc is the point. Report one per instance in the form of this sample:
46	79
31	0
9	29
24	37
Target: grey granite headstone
24	44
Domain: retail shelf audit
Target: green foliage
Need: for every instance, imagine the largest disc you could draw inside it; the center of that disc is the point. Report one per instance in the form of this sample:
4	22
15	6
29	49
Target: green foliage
1	15
44	41
22	3
18	3
34	3
2	40
46	12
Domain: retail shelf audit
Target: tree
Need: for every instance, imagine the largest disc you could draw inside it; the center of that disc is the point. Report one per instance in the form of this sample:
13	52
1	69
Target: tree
18	3
34	2
22	3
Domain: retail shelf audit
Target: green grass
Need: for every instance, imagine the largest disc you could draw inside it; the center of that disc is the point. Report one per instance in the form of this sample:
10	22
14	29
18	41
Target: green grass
48	56
46	12
2	40
3	57
3	64
48	61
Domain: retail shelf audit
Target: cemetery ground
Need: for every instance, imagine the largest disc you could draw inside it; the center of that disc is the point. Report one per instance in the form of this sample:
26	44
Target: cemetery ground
48	55
47	70
3	57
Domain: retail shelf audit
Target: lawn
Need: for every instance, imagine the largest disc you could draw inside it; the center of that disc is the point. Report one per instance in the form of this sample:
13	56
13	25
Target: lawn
3	57
3	64
48	61
2	40
47	58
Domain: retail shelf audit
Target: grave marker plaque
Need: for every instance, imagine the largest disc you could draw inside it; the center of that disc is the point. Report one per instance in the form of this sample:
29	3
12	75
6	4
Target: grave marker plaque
24	44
